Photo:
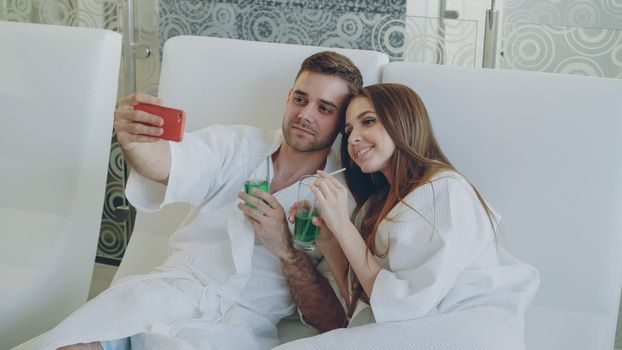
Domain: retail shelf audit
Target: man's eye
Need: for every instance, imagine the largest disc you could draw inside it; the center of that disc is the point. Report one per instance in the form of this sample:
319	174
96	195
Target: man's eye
298	100
325	110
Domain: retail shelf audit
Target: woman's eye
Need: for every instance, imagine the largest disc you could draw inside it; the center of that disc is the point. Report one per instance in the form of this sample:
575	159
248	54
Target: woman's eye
347	131
368	121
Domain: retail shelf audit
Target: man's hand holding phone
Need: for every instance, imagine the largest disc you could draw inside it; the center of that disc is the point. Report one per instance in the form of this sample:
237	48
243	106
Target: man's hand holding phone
140	134
141	118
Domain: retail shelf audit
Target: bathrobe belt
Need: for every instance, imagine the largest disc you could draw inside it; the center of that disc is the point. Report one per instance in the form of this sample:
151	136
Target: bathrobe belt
214	302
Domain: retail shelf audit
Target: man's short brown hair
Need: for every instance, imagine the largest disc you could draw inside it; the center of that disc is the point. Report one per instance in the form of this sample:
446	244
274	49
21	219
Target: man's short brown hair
334	64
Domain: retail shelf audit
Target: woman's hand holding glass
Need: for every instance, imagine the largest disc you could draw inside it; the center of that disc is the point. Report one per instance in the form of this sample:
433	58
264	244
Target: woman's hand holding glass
324	236
332	200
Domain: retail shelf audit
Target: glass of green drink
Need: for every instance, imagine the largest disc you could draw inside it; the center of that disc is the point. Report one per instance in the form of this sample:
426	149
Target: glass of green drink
305	232
256	174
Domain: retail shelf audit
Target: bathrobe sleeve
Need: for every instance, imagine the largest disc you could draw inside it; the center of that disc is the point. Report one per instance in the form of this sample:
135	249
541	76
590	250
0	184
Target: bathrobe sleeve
428	248
199	164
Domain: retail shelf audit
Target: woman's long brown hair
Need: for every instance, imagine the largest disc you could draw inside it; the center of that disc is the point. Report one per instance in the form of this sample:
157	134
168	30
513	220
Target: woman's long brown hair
417	158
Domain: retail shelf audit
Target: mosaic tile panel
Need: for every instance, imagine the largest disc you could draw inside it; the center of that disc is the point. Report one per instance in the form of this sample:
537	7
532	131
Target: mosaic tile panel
417	39
377	25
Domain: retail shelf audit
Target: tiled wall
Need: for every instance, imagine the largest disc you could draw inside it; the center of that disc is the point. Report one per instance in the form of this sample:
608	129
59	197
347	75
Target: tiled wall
377	25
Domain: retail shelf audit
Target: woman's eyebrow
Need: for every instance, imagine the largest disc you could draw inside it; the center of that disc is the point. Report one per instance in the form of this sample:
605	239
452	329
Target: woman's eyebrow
361	115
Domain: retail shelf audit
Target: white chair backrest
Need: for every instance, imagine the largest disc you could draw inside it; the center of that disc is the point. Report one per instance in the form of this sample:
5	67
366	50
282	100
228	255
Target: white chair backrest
226	81
544	150
58	89
240	82
53	98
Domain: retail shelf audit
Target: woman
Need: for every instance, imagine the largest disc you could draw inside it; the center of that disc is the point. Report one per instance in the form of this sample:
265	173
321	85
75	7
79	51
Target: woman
425	268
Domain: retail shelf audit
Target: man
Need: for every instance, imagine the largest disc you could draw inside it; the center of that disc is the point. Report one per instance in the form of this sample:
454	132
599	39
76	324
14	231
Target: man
221	287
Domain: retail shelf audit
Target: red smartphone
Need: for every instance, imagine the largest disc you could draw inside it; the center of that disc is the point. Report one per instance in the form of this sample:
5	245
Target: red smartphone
174	120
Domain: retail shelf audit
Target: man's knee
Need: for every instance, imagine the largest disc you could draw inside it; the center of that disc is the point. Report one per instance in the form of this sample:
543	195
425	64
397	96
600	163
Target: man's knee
81	346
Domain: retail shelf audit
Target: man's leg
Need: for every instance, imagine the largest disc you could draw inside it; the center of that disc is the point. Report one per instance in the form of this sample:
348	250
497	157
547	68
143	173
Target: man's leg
89	346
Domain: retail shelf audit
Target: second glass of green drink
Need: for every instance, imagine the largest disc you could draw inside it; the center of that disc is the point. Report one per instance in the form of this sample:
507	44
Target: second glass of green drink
305	232
257	174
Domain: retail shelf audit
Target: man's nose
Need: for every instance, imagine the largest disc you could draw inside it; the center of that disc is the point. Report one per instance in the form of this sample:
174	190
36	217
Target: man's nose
305	113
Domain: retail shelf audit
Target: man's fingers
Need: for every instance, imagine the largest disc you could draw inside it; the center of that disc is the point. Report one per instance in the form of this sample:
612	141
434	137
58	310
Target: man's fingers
142	129
127	100
257	202
267	198
318	221
140	97
251	220
253	213
143	138
127	114
292	213
145	118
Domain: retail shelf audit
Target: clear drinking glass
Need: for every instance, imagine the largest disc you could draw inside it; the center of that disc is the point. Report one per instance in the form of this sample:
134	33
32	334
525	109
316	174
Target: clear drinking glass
305	232
256	174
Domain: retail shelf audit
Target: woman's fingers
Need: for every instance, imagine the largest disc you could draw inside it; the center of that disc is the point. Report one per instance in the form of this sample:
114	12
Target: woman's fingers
327	189
318	193
338	185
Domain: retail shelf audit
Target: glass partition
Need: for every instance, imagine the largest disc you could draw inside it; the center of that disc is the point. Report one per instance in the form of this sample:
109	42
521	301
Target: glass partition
562	49
569	37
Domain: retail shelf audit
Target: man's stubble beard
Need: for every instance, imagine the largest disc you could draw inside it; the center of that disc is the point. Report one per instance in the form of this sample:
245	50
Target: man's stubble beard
315	145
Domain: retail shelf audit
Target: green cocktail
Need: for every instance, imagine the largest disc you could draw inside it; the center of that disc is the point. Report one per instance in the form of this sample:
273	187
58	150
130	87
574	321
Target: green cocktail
263	185
305	232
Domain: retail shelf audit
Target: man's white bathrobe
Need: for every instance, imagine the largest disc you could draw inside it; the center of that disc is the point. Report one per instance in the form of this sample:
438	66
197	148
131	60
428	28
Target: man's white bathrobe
445	282
219	288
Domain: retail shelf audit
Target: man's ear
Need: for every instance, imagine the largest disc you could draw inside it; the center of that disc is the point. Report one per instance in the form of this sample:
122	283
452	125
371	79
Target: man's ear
289	95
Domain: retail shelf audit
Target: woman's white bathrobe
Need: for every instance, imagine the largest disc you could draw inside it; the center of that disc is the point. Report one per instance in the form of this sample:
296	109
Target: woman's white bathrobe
445	283
219	289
